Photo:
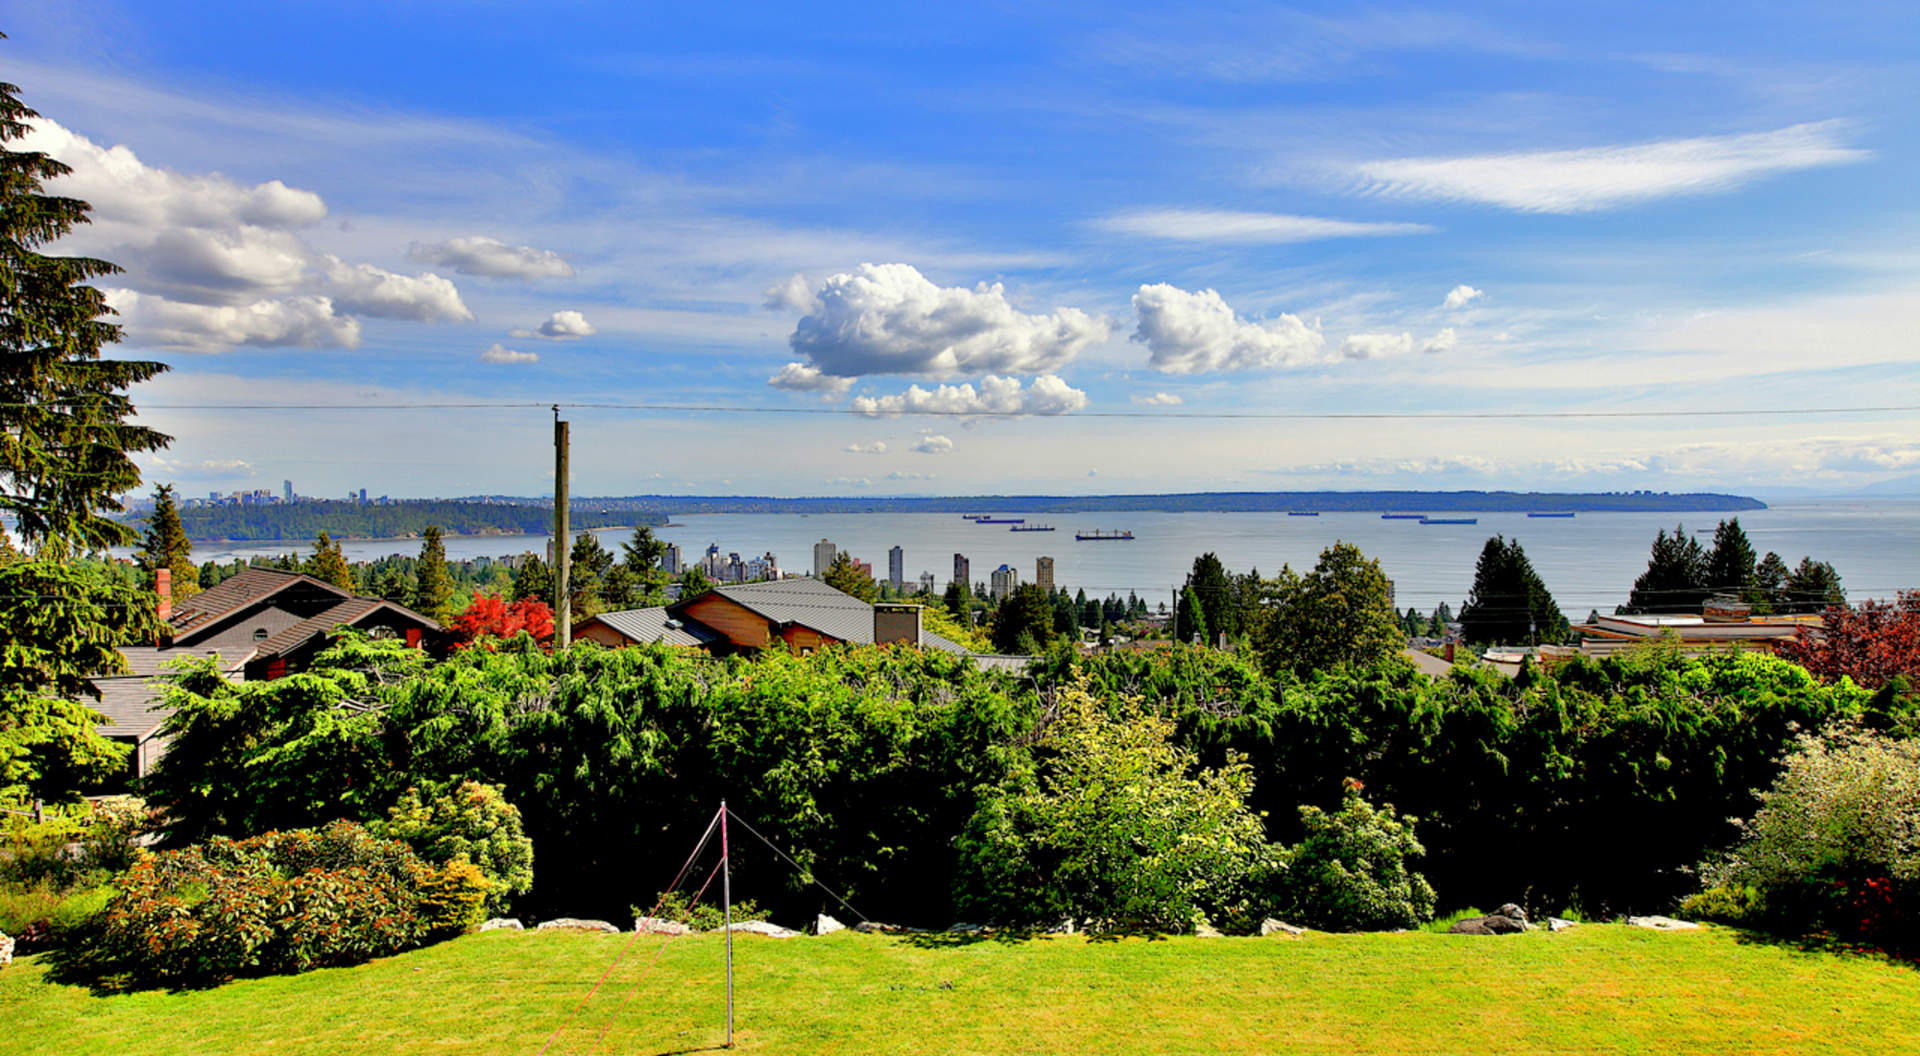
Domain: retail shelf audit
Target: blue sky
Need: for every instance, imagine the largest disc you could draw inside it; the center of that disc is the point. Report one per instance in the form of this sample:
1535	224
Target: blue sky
1063	212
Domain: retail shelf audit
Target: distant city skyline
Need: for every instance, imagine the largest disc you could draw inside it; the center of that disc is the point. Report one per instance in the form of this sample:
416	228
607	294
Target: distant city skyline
1060	213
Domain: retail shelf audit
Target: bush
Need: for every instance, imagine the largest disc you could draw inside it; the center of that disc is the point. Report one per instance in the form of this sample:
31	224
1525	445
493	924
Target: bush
1739	905
469	821
1835	844
279	902
453	898
1119	829
1350	872
700	916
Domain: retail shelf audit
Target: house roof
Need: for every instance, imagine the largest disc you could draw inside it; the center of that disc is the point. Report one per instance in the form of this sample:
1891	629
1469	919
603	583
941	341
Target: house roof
652	625
812	604
249	587
128	700
351	612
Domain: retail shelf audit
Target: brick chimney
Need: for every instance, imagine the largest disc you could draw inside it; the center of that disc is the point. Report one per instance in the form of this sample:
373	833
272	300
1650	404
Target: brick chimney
896	623
163	586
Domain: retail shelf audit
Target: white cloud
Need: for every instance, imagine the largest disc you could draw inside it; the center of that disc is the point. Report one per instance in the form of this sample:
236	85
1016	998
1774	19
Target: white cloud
850	482
792	294
380	293
903	475
1159	399
889	319
203	469
499	353
933	444
559	326
1201	225
878	447
799	377
1595	178
1048	395
479	255
1460	295
306	321
1193	333
1387	346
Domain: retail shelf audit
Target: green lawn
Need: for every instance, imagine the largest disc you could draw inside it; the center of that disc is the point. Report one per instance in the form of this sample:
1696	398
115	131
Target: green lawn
1594	989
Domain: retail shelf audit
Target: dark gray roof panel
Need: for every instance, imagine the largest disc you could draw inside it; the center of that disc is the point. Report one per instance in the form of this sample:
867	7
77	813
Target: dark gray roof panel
651	625
127	701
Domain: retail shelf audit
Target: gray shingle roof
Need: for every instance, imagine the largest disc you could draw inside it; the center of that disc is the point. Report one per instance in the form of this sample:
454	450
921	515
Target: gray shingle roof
128	701
237	592
651	625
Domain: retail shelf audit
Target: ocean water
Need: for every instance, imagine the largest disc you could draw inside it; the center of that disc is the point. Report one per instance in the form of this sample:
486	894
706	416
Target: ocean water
1588	562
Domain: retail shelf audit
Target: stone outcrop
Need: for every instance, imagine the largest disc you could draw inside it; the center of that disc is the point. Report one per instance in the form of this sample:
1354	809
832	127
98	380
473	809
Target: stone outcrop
1507	920
825	925
1662	924
576	924
1271	926
503	924
659	926
761	927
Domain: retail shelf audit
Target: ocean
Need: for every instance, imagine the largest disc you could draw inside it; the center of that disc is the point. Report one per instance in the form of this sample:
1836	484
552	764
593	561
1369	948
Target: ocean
1588	562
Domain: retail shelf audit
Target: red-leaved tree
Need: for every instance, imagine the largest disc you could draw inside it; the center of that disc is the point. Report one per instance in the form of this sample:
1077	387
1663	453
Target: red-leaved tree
1870	643
489	617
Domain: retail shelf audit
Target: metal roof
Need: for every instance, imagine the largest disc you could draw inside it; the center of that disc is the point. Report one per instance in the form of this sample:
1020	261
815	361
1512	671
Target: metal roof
651	625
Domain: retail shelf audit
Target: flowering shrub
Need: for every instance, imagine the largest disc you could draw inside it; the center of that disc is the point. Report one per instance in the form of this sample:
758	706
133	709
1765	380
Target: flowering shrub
1350	872
284	901
1835	845
470	821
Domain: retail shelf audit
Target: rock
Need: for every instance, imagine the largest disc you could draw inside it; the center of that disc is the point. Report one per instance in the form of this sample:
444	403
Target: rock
503	924
576	924
761	927
1508	920
825	925
1065	926
1662	924
874	927
1271	926
659	926
967	929
6	950
1556	924
1204	930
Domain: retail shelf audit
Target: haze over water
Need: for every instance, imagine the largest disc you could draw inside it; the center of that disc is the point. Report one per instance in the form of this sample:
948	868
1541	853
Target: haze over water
1588	562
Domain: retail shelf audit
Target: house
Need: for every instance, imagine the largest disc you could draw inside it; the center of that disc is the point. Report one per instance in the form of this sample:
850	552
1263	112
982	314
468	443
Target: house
1721	626
261	624
802	614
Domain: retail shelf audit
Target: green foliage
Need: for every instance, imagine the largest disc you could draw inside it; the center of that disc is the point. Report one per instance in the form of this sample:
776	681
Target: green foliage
533	581
1350	871
1190	619
1812	586
1730	564
471	822
1509	604
1214	599
848	578
453	898
1117	826
60	625
942	623
280	902
1738	905
432	589
64	434
1023	624
328	564
165	545
1341	613
705	915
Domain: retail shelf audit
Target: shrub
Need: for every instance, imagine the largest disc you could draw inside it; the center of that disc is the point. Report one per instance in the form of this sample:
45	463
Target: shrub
279	902
1350	872
1740	905
700	916
1835	844
1119	828
453	898
470	821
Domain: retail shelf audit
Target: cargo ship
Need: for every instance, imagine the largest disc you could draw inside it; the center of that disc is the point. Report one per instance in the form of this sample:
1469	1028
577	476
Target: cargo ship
1031	528
1403	516
1549	514
1449	520
1303	513
999	520
1099	536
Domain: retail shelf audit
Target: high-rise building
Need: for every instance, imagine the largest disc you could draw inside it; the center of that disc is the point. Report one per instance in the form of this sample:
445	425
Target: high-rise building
1002	580
671	561
363	496
286	490
823	554
926	582
1043	573
896	567
962	572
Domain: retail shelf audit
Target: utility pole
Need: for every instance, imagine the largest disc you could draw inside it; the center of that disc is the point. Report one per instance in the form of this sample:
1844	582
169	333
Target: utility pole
562	539
726	912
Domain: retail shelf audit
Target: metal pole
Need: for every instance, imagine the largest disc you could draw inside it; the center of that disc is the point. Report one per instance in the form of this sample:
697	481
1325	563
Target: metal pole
726	902
562	541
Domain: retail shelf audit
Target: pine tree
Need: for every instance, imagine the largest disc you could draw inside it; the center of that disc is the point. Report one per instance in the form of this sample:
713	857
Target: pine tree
166	546
1730	564
329	564
64	435
1813	586
845	576
1768	592
1509	602
1214	590
432	587
1192	618
534	580
1676	576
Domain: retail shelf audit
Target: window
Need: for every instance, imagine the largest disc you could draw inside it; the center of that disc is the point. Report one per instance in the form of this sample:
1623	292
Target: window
259	634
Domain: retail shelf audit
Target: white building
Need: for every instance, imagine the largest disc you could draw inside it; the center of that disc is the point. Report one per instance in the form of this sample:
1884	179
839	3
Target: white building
1002	581
823	554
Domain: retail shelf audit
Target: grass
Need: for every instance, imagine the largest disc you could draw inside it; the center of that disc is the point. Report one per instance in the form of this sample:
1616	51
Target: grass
1596	988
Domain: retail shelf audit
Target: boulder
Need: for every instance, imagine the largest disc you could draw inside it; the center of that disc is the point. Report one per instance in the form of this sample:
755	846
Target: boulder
503	924
6	950
825	925
761	927
874	927
1064	926
659	926
1271	926
1205	930
1509	919
1556	924
1662	924
967	929
576	924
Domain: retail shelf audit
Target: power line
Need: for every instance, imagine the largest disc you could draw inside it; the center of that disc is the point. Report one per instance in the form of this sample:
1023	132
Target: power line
934	413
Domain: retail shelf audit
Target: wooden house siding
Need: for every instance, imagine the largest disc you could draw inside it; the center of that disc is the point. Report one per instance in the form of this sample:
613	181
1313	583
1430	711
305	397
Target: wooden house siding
603	634
745	628
804	639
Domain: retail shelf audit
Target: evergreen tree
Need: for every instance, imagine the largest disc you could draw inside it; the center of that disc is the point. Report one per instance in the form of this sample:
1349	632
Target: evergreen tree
1813	586
432	587
1768	592
1213	589
588	573
329	564
64	435
166	546
1191	618
1341	613
1730	564
694	583
958	601
533	580
845	575
642	555
1676	575
1509	603
1023	625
